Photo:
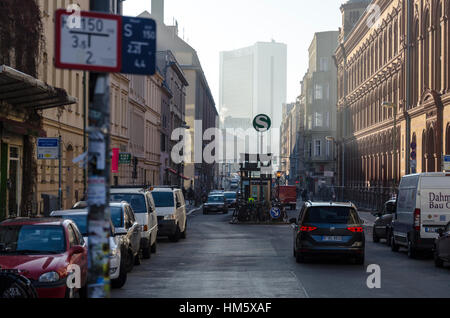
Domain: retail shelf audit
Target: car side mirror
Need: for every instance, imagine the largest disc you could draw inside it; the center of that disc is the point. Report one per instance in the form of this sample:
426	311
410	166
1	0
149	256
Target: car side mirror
293	221
120	231
76	250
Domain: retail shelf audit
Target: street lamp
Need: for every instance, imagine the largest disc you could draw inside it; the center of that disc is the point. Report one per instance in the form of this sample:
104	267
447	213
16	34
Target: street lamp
390	105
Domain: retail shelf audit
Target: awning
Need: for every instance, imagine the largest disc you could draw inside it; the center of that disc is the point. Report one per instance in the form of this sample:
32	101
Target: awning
21	90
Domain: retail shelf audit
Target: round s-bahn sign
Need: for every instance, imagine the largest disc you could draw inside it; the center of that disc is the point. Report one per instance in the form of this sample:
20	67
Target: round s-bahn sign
262	123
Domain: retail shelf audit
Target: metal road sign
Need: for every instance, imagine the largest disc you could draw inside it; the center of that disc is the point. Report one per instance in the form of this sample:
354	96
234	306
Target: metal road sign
275	213
48	148
262	123
138	46
124	158
93	45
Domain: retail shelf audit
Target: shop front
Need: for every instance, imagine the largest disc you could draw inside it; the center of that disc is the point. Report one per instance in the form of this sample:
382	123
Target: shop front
21	97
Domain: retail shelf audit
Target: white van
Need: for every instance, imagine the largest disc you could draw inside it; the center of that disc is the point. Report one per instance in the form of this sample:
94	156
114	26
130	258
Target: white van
171	210
142	203
423	207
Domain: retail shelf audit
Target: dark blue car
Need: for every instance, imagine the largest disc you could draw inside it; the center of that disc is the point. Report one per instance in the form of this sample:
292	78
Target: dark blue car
324	228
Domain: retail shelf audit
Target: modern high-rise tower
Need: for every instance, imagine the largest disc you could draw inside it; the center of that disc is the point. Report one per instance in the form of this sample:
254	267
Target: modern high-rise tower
253	81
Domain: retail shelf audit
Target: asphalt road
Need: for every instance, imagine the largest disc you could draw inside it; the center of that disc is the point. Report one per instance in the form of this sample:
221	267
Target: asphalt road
223	260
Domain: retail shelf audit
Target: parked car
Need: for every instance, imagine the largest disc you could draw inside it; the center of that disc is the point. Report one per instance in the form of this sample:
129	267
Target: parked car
43	250
287	196
141	201
382	228
216	203
328	229
442	247
125	224
171	211
423	207
117	245
231	198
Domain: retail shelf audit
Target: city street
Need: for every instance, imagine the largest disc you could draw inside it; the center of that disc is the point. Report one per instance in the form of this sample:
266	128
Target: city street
219	259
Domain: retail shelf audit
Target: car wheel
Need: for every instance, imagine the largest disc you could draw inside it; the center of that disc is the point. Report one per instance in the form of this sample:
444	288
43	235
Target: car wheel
120	281
82	293
129	261
412	252
137	259
146	252
388	238
394	246
438	262
69	293
183	234
153	248
375	238
359	260
299	258
175	237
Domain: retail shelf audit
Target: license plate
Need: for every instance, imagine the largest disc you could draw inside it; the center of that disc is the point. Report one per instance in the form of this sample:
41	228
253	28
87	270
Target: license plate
431	229
332	238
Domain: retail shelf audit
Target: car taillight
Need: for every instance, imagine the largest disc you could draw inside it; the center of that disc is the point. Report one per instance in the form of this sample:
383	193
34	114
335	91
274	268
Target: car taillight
308	228
356	229
417	219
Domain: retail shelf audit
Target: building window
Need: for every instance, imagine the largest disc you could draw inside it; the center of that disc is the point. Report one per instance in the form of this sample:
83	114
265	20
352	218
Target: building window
317	148
323	64
318	122
328	149
318	92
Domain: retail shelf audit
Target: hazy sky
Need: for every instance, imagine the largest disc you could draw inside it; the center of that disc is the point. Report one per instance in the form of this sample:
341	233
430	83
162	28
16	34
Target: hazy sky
212	26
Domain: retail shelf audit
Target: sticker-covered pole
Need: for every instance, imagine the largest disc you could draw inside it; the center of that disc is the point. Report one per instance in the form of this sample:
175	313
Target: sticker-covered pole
99	167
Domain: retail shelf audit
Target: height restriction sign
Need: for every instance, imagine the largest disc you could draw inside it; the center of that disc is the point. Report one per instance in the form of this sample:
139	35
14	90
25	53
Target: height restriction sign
93	43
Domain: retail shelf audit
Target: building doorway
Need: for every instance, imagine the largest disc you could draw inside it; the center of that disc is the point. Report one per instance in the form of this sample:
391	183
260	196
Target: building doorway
14	184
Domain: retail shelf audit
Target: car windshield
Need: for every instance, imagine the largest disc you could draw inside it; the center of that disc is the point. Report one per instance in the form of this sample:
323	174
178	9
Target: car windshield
331	214
32	239
137	201
216	199
116	216
163	199
80	221
230	195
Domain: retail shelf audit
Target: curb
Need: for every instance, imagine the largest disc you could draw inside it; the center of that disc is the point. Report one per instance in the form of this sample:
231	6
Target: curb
194	210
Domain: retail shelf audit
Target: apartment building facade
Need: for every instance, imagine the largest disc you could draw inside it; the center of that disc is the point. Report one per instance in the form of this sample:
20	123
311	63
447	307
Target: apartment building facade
319	91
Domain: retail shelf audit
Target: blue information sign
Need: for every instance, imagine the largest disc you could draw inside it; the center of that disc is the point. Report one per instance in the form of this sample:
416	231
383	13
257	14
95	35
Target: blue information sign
275	213
138	46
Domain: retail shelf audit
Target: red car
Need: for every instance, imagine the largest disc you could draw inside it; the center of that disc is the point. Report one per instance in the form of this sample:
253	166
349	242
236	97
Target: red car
42	249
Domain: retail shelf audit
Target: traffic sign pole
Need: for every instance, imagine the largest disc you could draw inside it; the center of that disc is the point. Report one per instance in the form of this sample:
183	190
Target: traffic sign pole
99	171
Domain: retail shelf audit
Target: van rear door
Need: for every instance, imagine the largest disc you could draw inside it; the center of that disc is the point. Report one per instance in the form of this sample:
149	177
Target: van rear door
434	204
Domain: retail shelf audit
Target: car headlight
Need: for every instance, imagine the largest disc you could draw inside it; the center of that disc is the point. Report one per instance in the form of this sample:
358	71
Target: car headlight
114	252
169	217
49	277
